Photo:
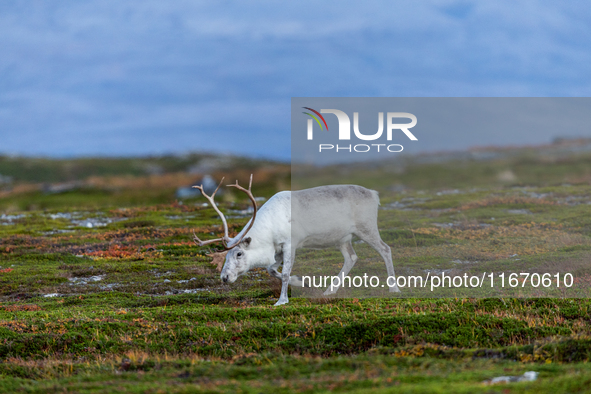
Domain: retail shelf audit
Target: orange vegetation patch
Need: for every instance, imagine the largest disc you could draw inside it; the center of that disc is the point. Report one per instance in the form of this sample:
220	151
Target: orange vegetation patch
178	179
163	181
526	230
117	243
584	280
521	230
19	308
6	269
153	233
117	251
509	200
21	188
502	242
129	235
136	211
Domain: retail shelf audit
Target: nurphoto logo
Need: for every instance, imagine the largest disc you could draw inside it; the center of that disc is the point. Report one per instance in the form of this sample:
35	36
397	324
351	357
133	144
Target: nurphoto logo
345	130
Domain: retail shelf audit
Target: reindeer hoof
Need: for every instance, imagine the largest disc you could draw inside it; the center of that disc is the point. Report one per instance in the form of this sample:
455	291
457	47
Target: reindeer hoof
281	302
394	289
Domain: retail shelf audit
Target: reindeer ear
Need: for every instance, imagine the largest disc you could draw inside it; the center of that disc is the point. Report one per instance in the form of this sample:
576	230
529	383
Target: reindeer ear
246	241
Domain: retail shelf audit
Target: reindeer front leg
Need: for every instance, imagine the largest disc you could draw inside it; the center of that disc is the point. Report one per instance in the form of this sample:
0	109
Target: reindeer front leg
294	280
288	258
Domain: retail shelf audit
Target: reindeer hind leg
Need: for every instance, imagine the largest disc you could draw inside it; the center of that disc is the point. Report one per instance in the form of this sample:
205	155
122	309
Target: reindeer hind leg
350	260
373	239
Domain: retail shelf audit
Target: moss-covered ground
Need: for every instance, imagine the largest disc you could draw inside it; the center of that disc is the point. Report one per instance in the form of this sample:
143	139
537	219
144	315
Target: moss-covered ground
103	290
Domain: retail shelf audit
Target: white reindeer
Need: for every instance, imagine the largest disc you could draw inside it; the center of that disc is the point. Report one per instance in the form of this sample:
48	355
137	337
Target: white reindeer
320	217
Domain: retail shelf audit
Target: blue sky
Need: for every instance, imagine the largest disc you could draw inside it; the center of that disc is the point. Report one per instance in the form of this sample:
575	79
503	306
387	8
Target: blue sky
153	77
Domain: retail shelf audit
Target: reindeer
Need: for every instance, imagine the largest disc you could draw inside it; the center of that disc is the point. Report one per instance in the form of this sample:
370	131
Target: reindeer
320	217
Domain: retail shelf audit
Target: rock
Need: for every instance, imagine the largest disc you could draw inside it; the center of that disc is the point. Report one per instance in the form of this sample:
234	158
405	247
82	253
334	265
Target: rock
506	176
209	186
528	376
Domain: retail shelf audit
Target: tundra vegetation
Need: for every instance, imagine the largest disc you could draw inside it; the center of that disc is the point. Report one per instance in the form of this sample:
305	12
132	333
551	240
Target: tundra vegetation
103	290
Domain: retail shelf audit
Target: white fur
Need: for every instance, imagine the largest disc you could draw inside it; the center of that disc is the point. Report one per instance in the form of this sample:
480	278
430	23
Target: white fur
326	216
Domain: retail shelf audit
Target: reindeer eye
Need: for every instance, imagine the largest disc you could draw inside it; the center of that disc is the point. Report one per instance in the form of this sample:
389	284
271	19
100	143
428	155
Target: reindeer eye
239	254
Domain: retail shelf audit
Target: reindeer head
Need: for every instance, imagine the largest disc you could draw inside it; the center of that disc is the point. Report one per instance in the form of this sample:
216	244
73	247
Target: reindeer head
236	263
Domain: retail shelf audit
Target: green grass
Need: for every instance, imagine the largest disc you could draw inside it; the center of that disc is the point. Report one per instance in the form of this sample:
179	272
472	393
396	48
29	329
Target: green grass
139	308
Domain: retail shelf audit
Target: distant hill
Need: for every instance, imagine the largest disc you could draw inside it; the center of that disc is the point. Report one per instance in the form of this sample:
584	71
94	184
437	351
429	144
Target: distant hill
49	170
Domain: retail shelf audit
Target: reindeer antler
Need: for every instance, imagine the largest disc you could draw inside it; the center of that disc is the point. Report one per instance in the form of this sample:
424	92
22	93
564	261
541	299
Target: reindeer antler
254	205
225	239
